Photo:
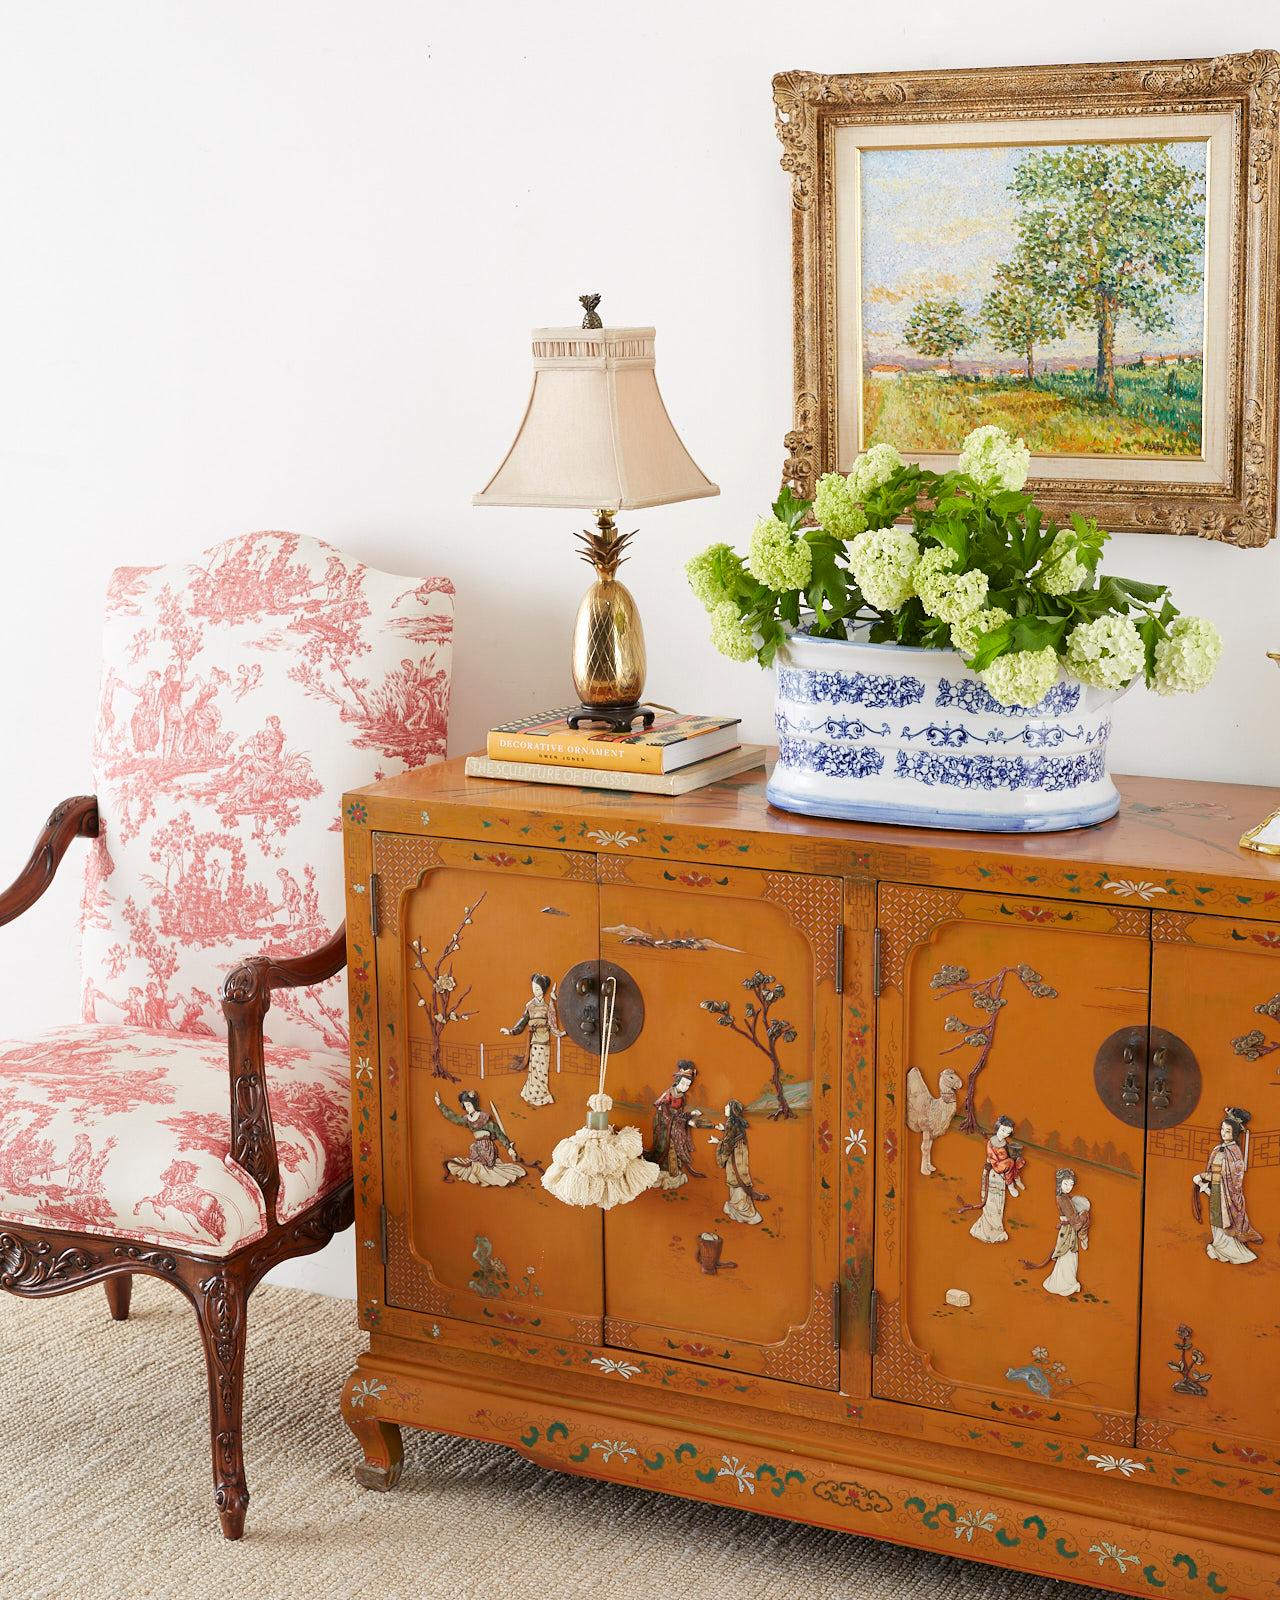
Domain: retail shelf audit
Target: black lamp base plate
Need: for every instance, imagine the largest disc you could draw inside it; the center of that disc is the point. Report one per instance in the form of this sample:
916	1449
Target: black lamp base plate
618	719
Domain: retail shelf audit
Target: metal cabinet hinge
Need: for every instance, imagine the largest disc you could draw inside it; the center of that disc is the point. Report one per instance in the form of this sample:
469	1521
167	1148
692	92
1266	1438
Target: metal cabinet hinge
873	1322
840	958
375	922
835	1314
875	963
382	1234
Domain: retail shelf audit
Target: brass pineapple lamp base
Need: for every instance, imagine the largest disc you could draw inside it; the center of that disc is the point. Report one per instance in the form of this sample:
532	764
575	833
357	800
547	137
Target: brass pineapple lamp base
608	638
596	435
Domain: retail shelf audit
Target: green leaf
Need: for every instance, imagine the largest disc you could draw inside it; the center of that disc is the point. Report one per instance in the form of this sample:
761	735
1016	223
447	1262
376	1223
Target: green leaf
952	535
790	509
1009	503
1144	593
1038	633
991	645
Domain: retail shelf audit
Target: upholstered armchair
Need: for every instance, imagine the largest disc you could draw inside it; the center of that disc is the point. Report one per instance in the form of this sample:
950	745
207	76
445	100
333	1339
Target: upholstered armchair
202	1140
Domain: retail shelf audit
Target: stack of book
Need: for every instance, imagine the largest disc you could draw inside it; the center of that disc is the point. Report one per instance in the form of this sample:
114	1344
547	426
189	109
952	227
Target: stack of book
675	755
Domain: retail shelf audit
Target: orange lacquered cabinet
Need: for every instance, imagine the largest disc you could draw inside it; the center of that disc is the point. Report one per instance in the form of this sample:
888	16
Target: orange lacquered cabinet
969	1151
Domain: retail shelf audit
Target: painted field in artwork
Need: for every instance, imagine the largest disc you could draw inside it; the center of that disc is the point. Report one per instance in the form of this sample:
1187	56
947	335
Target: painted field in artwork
1057	290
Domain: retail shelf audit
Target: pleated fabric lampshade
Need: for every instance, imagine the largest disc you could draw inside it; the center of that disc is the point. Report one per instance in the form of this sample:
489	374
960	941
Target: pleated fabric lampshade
596	434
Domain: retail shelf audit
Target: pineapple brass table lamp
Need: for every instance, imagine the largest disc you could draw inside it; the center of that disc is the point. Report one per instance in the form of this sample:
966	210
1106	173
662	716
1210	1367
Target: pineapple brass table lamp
596	435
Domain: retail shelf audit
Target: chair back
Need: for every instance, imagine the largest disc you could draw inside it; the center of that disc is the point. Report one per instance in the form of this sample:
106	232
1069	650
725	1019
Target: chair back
241	694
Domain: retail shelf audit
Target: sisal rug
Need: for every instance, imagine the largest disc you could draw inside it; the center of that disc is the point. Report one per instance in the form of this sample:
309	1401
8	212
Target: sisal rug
107	1495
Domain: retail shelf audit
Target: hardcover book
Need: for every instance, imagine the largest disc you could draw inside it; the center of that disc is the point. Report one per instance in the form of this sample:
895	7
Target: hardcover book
674	741
715	769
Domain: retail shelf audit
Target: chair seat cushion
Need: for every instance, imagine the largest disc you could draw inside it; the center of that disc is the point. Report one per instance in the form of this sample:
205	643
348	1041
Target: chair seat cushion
127	1132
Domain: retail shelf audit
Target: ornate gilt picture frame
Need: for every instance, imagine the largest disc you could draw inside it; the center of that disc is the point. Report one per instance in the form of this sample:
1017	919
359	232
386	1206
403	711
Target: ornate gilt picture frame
1086	254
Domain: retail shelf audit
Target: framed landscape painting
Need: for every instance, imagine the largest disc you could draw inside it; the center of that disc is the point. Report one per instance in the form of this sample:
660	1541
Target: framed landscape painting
1085	255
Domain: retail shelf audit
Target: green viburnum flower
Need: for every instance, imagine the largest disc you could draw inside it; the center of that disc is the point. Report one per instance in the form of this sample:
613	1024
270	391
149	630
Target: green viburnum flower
707	574
778	559
1107	653
1022	677
873	468
1188	656
836	509
730	634
994	459
949	596
966	633
1061	570
882	561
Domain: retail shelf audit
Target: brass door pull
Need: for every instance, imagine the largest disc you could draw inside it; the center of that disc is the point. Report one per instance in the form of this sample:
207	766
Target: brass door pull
580	1005
1128	1058
1131	1094
1160	1096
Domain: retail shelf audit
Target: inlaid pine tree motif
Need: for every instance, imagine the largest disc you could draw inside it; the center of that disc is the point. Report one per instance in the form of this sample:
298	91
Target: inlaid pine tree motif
439	997
987	996
760	1028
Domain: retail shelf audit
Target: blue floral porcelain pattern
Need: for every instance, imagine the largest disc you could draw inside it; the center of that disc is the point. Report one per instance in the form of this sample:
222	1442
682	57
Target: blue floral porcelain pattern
1052	774
1036	736
832	760
833	727
880	734
970	695
874	690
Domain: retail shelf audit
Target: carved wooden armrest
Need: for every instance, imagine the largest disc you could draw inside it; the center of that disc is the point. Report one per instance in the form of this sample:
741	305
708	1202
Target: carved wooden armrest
76	818
246	999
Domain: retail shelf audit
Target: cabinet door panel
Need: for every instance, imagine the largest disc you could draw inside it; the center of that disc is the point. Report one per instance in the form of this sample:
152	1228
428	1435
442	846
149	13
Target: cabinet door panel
733	1262
1216	985
471	1232
1000	1004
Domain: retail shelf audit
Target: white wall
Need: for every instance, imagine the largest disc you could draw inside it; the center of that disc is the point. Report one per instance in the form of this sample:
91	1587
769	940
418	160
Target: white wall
273	263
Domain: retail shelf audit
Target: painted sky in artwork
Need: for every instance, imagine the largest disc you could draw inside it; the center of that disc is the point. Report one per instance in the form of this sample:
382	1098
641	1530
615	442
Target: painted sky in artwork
937	222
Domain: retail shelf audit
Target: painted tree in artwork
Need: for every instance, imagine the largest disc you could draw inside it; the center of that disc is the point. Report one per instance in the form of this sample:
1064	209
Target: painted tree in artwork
1019	312
938	328
1117	231
987	997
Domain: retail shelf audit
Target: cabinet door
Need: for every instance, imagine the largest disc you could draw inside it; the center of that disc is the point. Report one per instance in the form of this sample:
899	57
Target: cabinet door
1211	1286
731	1263
991	1017
471	1112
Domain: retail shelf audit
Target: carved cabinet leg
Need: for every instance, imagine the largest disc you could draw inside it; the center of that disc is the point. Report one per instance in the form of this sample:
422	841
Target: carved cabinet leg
119	1293
383	1452
220	1308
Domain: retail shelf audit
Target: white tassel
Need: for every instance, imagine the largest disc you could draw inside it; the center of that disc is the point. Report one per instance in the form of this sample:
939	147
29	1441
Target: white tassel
599	1165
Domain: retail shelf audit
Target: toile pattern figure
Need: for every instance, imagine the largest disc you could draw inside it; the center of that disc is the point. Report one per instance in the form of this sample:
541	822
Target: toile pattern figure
734	1159
674	1120
1074	1217
541	1018
239	695
111	1128
482	1164
1001	1180
1222	1184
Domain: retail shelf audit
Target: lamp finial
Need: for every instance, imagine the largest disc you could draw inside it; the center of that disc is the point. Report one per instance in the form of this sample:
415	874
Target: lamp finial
589	302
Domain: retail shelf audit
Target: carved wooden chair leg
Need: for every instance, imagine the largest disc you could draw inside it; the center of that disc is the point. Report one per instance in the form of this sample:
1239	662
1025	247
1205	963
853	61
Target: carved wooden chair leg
220	1309
383	1452
119	1293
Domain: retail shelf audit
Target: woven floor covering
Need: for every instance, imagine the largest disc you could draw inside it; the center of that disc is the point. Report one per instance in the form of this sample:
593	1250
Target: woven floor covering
106	1489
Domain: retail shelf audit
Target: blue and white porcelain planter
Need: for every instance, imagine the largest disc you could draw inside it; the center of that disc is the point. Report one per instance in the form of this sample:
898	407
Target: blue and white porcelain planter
882	733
